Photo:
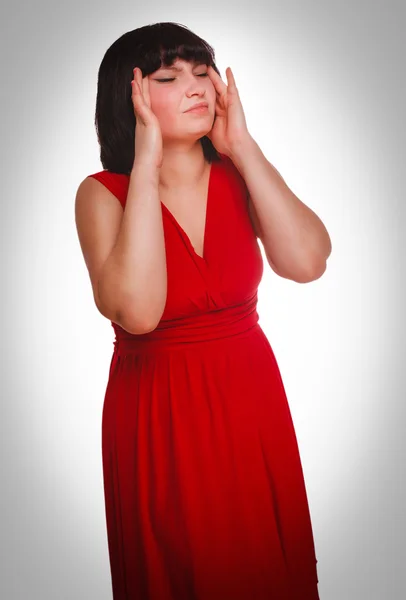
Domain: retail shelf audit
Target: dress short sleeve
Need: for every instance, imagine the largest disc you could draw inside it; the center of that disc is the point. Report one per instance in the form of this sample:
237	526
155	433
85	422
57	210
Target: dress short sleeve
116	183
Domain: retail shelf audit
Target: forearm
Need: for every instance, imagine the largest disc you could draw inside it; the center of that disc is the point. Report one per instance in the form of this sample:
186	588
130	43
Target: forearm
134	278
294	237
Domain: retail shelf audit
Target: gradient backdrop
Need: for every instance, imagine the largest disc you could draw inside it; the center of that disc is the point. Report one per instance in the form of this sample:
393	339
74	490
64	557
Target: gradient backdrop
323	88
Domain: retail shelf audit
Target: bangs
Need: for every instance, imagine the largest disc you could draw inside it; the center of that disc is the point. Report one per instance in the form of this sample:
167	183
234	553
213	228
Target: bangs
163	43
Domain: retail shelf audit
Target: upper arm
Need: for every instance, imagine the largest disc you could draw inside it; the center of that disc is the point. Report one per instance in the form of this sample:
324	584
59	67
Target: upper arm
259	233
98	216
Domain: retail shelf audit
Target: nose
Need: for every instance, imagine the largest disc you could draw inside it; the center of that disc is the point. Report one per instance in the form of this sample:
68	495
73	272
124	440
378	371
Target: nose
195	87
196	91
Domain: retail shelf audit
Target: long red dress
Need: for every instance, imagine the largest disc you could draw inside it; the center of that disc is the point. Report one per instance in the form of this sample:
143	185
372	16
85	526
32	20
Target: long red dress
204	491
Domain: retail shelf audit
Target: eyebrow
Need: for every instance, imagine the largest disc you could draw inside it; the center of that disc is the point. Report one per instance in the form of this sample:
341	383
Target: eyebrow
179	69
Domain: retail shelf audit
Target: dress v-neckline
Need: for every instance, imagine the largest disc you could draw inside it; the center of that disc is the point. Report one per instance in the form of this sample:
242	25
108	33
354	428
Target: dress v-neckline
180	228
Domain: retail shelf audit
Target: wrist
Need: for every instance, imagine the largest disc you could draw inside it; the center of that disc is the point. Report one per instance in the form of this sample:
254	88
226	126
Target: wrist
243	148
146	169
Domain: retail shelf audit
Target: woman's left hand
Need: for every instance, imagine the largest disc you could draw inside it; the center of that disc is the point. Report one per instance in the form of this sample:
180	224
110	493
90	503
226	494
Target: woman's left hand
229	129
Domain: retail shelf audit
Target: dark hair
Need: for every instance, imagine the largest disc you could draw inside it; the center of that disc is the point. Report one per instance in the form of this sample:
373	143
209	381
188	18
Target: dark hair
148	48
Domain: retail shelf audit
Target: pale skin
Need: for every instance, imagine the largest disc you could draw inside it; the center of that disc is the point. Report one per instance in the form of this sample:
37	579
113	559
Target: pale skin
295	240
183	163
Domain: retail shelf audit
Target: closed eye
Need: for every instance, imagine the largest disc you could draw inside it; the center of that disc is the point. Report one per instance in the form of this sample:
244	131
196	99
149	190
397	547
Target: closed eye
173	78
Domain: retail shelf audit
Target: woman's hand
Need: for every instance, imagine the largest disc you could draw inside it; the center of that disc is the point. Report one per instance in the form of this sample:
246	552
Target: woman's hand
229	129
148	135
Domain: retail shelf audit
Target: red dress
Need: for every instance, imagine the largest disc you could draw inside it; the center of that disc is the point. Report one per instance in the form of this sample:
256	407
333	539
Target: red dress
204	491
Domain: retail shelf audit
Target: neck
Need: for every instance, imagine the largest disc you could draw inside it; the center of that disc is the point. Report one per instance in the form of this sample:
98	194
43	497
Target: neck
182	168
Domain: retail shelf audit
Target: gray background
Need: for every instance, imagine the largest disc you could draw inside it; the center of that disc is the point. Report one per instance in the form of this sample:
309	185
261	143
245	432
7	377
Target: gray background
323	88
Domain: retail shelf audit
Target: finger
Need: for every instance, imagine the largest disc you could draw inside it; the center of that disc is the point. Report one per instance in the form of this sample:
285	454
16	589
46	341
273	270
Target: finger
136	92
139	80
138	103
215	78
145	91
231	80
141	87
138	75
137	97
219	85
136	85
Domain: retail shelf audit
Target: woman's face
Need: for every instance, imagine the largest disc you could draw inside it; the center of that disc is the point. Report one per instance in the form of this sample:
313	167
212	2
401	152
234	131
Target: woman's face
173	90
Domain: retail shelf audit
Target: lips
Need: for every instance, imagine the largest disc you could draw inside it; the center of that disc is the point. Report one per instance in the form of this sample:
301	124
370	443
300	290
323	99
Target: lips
198	105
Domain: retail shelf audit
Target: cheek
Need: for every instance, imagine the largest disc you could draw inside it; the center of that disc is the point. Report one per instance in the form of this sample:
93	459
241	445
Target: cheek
163	106
157	103
211	93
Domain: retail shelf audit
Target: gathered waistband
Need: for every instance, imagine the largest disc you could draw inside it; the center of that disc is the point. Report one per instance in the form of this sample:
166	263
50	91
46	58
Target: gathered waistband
204	327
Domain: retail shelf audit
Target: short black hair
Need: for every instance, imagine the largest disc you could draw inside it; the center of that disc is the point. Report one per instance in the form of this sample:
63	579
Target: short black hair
148	48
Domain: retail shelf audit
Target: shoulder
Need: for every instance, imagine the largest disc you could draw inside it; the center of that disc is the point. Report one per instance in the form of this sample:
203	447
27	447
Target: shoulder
110	179
116	183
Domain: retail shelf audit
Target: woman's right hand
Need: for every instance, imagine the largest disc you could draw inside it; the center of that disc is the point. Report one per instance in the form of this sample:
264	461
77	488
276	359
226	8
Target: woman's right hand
148	135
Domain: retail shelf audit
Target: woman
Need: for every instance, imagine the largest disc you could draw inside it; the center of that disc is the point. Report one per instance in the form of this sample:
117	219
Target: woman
204	491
